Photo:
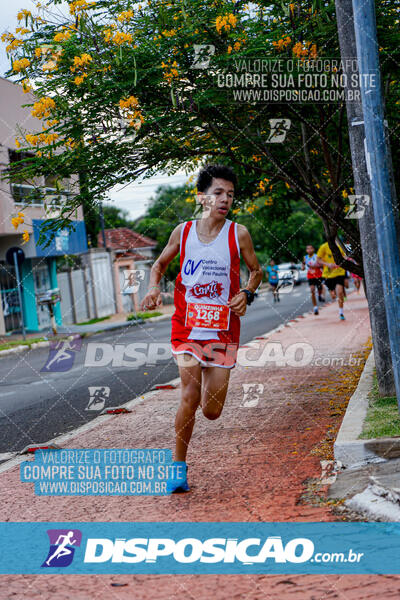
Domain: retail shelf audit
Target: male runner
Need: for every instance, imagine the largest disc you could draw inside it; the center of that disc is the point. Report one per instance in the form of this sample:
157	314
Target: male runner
273	278
208	303
314	276
334	276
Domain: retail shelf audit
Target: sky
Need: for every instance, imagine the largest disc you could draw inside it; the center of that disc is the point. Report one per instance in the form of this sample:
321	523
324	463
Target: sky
133	197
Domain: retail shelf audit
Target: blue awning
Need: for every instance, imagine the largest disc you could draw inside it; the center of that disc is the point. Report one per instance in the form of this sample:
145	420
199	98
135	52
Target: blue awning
65	241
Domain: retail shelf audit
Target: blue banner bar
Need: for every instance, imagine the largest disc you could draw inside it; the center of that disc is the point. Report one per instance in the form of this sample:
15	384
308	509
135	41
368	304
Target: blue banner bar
200	548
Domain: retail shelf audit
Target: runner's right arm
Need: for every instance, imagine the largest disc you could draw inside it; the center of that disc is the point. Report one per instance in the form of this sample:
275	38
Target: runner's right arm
153	297
323	263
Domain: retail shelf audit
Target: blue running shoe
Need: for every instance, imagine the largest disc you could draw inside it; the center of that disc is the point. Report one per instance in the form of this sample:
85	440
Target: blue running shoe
178	484
342	317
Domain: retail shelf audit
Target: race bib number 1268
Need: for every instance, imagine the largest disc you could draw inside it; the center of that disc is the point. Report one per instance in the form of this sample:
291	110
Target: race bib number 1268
210	316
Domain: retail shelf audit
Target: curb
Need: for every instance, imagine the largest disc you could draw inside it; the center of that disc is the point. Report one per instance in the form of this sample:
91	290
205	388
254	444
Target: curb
351	451
34	345
121	325
76	335
377	503
159	318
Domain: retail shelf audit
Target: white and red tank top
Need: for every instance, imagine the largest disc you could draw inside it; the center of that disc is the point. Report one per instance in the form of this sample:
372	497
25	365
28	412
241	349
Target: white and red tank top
314	271
209	275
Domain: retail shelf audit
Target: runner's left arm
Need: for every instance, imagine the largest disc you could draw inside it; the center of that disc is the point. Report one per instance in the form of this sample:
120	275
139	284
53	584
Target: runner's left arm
239	302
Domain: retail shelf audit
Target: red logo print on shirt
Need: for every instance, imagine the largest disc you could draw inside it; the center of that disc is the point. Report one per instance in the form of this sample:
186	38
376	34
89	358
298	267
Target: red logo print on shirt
209	290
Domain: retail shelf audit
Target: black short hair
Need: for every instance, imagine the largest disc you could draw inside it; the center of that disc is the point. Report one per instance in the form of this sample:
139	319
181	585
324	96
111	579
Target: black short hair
209	172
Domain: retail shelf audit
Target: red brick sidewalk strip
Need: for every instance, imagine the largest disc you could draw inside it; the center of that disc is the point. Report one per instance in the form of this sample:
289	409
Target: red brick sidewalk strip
253	464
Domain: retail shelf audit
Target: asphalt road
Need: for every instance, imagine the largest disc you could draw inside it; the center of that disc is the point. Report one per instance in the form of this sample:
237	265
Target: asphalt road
38	403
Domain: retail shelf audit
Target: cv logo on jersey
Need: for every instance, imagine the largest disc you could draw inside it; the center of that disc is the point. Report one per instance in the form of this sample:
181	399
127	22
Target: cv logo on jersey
190	267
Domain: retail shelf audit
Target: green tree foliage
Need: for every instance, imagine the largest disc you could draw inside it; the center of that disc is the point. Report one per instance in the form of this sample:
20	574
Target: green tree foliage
283	237
120	97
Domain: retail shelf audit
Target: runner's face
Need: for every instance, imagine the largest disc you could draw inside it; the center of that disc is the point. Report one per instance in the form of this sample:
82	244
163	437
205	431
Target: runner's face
217	200
310	250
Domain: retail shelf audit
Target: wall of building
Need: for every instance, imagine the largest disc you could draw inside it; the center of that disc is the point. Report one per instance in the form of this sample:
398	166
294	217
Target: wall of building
15	120
39	267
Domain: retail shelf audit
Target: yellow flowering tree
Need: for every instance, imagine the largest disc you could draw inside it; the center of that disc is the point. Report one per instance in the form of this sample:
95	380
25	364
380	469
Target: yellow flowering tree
125	90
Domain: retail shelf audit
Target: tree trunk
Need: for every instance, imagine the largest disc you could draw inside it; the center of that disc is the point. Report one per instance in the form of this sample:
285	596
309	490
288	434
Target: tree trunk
372	273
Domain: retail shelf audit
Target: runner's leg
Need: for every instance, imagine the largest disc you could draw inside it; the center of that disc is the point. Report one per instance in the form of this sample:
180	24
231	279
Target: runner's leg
340	295
214	389
190	400
313	298
321	292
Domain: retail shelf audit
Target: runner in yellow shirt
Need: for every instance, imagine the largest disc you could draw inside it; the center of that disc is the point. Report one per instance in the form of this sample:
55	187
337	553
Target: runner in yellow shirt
333	274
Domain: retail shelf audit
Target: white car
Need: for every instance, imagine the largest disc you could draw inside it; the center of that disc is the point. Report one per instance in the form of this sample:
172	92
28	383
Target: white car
302	274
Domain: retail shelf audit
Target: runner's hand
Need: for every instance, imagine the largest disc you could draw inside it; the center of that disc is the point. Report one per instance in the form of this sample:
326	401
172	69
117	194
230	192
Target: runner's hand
239	304
151	300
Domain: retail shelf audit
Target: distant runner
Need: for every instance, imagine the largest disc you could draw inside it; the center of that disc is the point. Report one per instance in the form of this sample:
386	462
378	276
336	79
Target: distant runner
333	275
273	278
208	303
356	278
314	276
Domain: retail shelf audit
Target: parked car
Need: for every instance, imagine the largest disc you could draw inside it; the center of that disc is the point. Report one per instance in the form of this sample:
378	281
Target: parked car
302	274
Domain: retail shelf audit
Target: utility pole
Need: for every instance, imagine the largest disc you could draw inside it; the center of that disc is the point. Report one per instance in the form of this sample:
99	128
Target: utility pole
379	159
366	224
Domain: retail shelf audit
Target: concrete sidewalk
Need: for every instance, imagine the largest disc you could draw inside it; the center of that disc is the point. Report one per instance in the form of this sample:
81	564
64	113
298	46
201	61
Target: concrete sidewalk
256	463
